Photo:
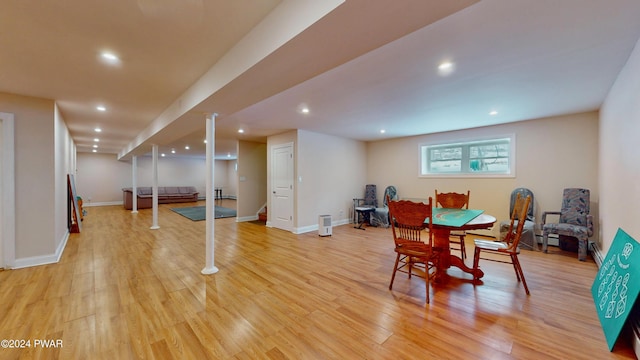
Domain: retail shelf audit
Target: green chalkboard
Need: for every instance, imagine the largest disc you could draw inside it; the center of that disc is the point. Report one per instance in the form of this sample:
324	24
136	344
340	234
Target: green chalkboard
617	285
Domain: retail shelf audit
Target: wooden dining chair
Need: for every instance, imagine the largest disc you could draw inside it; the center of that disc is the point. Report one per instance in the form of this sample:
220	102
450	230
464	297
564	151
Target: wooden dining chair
408	222
454	200
509	246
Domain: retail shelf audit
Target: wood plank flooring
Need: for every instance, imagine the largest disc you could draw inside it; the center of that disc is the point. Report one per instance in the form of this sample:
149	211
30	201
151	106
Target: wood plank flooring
123	291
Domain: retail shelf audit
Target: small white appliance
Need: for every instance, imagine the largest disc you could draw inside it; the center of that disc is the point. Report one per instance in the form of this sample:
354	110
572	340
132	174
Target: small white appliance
324	225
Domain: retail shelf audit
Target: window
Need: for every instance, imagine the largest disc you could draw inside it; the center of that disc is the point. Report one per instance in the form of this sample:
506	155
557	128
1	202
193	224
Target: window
479	158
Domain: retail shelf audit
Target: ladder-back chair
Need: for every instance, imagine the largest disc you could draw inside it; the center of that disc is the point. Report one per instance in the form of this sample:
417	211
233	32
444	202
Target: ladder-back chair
509	246
408	222
454	200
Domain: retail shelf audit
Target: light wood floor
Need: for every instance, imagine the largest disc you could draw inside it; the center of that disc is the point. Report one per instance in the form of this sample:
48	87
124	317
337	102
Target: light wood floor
122	291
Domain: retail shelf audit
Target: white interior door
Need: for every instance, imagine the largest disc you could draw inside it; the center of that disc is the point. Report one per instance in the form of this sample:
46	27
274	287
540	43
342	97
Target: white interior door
281	211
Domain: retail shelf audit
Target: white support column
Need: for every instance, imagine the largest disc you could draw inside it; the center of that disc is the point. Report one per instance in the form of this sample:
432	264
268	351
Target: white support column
154	155
134	184
210	200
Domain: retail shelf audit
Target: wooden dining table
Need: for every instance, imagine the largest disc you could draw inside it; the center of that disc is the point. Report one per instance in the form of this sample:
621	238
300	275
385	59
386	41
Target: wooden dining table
444	221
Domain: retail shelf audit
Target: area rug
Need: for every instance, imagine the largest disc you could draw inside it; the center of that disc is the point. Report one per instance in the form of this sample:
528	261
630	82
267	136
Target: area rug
198	213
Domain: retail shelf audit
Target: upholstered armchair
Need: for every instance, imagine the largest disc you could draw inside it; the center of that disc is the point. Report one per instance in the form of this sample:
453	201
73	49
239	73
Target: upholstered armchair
380	216
575	220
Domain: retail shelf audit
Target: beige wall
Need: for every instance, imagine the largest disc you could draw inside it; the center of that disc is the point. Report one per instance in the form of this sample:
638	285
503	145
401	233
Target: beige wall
65	162
551	154
35	183
330	172
619	154
252	179
101	177
34	165
231	187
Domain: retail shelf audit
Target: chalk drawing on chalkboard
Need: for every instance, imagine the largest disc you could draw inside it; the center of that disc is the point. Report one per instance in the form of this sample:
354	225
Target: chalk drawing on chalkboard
616	287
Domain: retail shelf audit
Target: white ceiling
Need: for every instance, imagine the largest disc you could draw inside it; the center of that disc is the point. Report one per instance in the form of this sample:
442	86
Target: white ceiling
366	66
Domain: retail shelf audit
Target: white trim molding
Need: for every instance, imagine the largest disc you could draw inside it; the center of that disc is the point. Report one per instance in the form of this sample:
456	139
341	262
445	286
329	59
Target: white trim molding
597	254
43	259
246	218
104	203
315	227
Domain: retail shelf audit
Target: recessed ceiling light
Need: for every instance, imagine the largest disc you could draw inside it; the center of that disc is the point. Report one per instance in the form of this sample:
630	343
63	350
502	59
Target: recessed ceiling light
186	147
163	155
493	113
97	130
446	68
110	58
382	131
101	108
94	150
205	141
173	151
95	146
240	131
96	140
228	155
302	108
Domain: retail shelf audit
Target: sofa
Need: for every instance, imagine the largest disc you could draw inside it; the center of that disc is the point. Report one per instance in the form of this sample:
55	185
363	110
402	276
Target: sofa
166	194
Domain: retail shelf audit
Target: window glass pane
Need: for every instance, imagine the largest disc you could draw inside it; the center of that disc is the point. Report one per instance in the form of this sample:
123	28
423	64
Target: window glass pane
445	166
445	160
448	153
490	156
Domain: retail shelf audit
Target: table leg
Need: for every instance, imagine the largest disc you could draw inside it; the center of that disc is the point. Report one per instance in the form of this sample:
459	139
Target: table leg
441	241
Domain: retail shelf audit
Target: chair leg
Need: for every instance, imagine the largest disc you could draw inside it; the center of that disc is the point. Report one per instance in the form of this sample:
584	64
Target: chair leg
395	268
582	249
476	260
427	286
514	260
462	248
545	239
519	270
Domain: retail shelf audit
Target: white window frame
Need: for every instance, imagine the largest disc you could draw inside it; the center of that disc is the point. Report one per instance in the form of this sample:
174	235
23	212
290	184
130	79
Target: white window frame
424	164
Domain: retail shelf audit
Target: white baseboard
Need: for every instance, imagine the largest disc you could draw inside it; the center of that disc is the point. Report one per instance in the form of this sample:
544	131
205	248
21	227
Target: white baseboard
105	203
310	228
304	229
229	197
246	218
340	222
43	259
597	254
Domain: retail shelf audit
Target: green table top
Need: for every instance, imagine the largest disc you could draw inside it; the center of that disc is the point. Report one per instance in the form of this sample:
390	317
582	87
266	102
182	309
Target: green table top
454	217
